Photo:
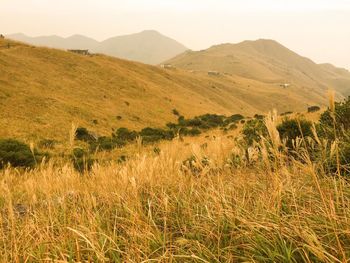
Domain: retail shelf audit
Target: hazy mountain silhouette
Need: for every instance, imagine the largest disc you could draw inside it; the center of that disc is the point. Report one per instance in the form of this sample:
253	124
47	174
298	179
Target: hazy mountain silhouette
148	46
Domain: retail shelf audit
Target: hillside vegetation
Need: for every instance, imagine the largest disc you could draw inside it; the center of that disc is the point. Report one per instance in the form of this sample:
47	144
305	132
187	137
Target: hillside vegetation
42	91
281	197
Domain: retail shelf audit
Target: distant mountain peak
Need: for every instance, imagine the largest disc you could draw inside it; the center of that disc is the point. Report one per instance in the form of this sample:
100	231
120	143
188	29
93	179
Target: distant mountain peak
148	46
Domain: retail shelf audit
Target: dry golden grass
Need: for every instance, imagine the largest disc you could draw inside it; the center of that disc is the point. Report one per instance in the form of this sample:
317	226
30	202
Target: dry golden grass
156	208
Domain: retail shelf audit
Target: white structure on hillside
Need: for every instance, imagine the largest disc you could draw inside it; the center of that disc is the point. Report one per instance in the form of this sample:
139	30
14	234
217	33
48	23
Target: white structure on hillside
213	73
167	66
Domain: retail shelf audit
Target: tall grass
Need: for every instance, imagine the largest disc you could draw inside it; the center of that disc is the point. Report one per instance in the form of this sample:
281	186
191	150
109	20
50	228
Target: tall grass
219	206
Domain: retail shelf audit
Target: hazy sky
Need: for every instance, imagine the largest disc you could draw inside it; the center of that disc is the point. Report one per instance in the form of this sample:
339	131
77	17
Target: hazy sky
318	29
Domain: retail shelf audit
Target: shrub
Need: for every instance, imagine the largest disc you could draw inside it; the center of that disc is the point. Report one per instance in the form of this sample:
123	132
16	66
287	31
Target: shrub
16	153
259	117
236	117
212	120
190	132
82	134
181	120
253	129
105	143
172	126
286	113
154	134
290	129
47	144
196	122
313	109
342	120
124	134
233	126
81	160
175	112
157	150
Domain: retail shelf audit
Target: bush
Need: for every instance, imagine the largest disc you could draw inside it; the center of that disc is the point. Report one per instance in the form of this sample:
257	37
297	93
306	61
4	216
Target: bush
212	120
81	160
16	153
342	120
153	135
259	117
175	112
253	129
47	144
290	129
172	126
190	132
286	113
105	143
313	109
82	134
124	134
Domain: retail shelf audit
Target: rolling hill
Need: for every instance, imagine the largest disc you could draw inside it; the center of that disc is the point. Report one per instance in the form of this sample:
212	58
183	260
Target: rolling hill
148	46
42	91
266	61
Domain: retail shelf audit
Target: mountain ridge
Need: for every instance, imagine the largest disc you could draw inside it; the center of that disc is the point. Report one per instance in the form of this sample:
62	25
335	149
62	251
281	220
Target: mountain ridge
148	46
267	61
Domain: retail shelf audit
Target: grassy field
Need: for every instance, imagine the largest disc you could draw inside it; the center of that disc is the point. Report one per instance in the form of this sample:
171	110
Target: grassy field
202	200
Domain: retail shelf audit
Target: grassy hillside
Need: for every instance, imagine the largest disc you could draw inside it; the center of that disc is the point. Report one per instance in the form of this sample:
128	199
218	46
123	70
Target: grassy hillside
42	91
269	62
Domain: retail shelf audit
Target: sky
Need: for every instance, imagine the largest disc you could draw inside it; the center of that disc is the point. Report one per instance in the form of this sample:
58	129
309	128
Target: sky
318	29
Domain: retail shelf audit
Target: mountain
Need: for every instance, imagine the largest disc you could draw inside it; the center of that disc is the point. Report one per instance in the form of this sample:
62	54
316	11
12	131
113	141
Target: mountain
266	61
43	90
149	46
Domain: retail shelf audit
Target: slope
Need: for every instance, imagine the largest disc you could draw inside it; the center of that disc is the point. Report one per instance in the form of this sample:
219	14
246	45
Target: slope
42	91
269	62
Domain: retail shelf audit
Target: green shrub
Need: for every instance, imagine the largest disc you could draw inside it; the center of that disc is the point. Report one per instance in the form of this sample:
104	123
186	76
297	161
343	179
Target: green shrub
82	134
290	129
175	112
181	121
155	134
124	134
172	126
122	159
313	109
253	130
259	117
82	161
212	120
342	120
286	113
196	122
16	153
190	132
233	126
47	144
